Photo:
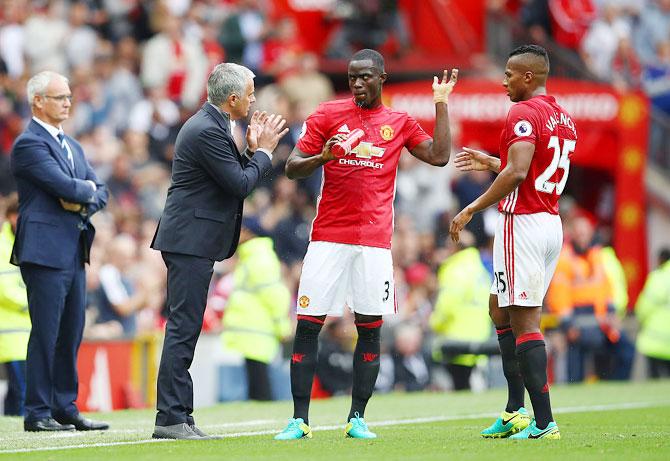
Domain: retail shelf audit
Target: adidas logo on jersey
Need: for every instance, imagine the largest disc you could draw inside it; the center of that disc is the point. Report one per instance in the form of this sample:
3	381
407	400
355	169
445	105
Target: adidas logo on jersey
343	129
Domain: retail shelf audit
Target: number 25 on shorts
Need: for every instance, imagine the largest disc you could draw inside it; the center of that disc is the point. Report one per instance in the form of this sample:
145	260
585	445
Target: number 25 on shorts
501	286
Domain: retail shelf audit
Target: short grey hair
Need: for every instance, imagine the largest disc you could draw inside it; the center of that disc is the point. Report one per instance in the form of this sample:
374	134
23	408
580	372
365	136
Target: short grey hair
38	83
226	79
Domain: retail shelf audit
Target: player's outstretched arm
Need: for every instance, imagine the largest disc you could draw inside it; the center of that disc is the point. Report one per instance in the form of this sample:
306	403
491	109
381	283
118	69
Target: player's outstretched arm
437	151
301	165
518	163
475	160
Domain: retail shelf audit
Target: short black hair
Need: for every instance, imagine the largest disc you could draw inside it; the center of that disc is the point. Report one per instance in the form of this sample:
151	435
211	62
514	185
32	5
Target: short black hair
537	50
374	56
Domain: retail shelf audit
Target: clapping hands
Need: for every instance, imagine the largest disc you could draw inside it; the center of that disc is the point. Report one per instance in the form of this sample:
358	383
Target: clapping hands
265	131
254	129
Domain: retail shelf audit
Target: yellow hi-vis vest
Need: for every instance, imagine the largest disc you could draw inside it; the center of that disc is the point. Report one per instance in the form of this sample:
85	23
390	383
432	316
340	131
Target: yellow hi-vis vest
462	306
14	317
653	312
256	315
617	278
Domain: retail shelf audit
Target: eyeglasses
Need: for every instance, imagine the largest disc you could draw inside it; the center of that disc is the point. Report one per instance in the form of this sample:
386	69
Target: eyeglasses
60	97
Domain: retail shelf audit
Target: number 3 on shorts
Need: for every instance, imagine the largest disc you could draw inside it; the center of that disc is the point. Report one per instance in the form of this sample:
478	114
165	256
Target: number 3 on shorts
387	293
501	286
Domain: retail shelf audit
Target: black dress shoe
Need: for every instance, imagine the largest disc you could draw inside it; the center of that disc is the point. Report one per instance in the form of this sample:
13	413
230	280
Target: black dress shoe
83	424
46	425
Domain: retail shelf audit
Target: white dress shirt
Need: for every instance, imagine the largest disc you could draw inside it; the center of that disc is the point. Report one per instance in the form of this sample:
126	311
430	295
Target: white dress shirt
53	131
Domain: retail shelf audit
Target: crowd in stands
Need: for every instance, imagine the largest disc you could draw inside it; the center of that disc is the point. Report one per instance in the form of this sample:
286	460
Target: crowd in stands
138	70
622	42
625	43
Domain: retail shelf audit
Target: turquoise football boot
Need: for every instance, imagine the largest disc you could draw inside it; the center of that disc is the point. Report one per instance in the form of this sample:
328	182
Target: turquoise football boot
508	424
296	429
357	429
532	432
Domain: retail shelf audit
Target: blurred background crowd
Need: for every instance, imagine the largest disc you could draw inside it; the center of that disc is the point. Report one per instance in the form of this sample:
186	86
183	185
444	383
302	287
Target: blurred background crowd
138	70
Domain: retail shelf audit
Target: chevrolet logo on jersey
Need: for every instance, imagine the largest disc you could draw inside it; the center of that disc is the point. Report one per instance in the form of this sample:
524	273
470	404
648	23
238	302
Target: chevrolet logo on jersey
367	150
364	151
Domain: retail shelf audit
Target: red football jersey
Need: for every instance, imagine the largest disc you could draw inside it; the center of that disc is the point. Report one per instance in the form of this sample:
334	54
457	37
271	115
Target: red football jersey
540	121
356	201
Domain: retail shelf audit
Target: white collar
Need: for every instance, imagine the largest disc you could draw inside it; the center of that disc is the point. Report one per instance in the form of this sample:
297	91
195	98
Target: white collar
53	131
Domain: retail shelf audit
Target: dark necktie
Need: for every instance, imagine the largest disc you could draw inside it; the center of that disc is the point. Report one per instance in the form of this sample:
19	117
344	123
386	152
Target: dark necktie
65	148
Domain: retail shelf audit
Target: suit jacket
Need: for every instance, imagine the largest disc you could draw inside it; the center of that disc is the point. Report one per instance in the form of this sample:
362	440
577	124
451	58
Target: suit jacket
47	234
210	180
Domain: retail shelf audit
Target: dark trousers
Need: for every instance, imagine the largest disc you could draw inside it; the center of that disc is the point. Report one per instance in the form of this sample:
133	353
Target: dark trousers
591	341
258	380
610	360
16	388
616	361
658	368
460	375
56	303
187	284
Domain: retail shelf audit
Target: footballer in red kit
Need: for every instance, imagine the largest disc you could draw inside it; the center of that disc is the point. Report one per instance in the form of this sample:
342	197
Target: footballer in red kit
536	144
543	123
355	205
348	261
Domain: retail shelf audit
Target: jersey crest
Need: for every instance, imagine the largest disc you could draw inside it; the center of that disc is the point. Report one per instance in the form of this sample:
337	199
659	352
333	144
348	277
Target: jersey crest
386	132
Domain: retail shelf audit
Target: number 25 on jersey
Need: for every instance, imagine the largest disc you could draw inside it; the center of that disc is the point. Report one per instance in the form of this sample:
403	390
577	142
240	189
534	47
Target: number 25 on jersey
561	159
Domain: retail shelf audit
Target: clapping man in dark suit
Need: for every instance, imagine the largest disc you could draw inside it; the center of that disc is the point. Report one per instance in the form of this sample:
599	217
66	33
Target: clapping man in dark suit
201	224
58	193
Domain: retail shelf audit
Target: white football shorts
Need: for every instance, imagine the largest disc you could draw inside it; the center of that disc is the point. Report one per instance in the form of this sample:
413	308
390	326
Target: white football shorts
525	253
338	274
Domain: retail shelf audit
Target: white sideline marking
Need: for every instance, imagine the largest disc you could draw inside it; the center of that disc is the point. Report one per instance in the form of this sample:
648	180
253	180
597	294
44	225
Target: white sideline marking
394	422
254	422
139	430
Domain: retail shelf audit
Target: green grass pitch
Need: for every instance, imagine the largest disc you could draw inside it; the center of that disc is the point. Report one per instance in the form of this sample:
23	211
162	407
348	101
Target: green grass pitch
622	421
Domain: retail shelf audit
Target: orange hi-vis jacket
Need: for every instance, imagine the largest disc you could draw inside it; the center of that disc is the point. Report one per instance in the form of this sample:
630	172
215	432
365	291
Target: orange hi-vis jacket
579	282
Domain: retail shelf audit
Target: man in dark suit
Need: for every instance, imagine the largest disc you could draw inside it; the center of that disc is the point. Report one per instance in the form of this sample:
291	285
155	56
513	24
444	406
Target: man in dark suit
201	224
58	193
